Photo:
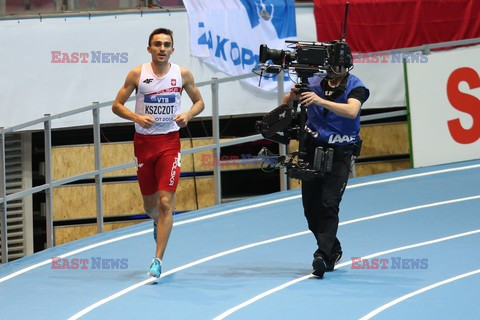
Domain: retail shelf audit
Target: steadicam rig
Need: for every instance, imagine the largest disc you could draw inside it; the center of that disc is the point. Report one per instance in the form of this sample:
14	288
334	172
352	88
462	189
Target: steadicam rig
286	122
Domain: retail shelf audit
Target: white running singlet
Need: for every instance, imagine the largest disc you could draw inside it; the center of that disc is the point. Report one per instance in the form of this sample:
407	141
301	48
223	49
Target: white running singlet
159	97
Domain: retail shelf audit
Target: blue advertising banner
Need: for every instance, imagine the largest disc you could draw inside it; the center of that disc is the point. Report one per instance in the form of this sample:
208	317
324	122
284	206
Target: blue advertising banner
228	34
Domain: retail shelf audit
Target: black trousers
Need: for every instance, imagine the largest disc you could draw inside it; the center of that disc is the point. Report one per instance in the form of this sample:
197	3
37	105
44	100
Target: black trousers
321	199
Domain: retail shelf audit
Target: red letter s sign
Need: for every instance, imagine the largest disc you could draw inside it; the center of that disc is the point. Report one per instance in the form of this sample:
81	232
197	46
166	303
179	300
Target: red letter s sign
465	103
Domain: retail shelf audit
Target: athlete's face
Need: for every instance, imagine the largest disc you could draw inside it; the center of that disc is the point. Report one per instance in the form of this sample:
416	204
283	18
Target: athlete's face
161	48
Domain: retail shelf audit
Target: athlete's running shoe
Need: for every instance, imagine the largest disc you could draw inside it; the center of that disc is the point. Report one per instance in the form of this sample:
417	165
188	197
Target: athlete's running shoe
155	268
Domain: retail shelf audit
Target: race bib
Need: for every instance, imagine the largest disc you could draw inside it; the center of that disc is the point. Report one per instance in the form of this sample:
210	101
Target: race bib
160	106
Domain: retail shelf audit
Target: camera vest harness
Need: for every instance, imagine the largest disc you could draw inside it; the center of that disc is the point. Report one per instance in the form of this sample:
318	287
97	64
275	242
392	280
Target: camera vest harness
327	127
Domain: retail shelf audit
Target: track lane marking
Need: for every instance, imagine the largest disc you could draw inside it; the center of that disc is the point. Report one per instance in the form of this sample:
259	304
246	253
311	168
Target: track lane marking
99	244
373	255
197	262
185	266
417	292
68	254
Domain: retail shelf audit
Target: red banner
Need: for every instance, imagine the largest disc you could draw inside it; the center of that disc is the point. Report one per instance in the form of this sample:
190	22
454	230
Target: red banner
377	25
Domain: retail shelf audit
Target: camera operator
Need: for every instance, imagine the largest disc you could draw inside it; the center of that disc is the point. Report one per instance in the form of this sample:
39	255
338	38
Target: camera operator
333	110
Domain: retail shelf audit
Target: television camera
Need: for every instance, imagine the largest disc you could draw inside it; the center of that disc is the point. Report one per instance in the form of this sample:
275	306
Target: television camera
284	123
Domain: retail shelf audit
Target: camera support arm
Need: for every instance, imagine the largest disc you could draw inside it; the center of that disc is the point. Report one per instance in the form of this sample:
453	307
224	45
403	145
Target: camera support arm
302	133
303	116
277	120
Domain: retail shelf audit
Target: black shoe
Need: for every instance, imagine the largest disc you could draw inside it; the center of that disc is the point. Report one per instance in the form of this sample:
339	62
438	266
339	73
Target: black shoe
337	257
319	266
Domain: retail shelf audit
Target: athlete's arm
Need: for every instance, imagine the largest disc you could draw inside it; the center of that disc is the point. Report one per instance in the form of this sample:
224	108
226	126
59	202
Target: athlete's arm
119	108
194	95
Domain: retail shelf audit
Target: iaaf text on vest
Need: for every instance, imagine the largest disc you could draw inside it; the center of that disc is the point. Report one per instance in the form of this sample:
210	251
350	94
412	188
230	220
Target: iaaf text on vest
89	57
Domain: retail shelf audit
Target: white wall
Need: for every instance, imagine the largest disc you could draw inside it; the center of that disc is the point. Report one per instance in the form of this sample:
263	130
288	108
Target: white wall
32	85
444	96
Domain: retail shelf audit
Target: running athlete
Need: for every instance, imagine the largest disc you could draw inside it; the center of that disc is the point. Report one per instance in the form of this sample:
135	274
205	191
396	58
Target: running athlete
158	86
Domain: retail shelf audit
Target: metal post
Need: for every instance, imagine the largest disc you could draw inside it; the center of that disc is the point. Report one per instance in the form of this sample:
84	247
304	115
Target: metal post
127	4
3	194
216	139
48	180
59	5
98	166
282	149
71	5
3	7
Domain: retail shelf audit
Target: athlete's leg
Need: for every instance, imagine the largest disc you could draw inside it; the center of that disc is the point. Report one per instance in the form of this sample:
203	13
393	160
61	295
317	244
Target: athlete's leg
167	169
150	204
166	206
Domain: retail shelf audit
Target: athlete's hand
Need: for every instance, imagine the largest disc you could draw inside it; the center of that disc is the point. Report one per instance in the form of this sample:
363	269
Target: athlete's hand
308	98
182	119
145	121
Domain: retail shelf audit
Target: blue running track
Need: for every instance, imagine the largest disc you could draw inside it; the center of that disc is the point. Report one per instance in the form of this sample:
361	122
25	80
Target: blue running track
414	235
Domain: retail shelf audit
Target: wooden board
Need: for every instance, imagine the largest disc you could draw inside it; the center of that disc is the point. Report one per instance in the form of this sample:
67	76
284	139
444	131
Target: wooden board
124	198
385	139
379	140
194	162
69	161
366	169
71	233
188	195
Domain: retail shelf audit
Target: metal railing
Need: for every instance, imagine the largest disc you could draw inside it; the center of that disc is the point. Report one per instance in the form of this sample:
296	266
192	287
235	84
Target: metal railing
55	7
99	171
427	48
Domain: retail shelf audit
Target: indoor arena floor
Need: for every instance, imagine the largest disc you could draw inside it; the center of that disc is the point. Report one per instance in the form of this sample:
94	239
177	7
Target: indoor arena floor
416	231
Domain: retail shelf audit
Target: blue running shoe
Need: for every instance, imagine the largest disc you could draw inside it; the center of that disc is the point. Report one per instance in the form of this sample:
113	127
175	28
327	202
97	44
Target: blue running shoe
155	268
155	231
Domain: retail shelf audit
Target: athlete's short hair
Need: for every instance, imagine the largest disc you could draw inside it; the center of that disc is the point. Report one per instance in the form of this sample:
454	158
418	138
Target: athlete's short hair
160	31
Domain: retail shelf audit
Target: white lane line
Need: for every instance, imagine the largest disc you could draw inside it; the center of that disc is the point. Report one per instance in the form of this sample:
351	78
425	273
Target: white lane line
222	213
417	292
411	176
99	244
428	205
381	253
21	271
37	265
137	285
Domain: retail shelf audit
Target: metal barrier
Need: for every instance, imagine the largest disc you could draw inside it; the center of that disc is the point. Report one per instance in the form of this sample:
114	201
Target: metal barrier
62	6
99	171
